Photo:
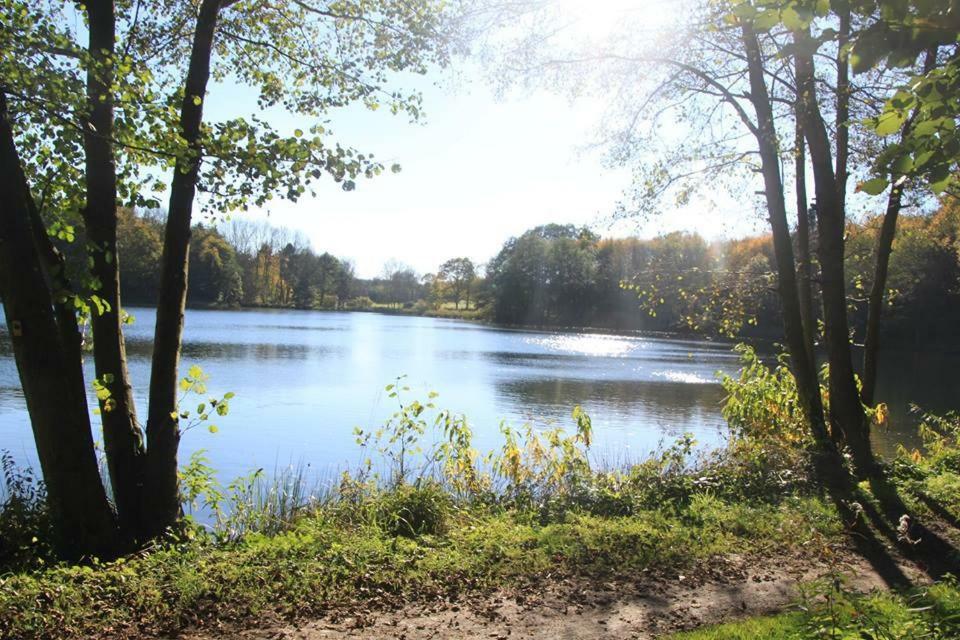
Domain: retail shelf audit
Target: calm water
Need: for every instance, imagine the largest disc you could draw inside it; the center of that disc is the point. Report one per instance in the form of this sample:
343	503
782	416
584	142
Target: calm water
304	380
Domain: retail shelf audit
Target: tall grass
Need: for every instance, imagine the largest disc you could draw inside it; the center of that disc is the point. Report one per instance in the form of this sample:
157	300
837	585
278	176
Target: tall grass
256	503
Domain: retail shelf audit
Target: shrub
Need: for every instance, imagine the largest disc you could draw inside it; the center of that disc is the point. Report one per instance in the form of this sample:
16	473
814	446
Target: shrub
762	402
422	306
25	526
415	510
360	302
941	439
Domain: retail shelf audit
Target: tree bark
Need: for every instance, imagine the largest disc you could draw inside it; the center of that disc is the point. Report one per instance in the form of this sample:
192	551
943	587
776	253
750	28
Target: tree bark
84	524
888	231
846	412
122	437
843	104
163	433
871	342
804	266
804	369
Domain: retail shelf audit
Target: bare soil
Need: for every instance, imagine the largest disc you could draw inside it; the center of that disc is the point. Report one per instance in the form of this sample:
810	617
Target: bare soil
648	605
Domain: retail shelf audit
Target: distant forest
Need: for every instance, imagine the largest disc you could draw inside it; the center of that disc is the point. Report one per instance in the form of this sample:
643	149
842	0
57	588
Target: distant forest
562	276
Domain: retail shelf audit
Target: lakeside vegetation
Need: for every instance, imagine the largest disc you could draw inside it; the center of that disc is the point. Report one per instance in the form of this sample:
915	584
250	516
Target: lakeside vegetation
103	109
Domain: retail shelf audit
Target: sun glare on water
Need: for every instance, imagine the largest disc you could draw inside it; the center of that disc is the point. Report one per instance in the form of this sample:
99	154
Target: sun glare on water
588	345
685	377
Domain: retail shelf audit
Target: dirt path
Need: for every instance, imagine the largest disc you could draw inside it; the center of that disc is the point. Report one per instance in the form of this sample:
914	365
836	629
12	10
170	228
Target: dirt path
645	607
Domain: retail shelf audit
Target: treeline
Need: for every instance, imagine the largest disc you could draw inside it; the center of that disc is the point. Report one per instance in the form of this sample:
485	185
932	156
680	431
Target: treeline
564	275
255	264
239	263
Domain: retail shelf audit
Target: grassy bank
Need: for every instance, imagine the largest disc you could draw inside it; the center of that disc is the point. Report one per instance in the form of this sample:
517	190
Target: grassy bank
829	612
333	558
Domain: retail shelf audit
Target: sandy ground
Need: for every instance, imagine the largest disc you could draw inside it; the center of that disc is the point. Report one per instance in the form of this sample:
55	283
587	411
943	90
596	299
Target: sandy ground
646	606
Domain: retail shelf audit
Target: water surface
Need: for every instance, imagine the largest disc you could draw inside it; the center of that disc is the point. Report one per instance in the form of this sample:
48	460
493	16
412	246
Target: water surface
303	380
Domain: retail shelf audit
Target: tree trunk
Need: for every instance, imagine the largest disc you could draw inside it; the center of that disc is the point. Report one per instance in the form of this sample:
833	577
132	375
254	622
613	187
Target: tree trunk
163	433
888	230
122	437
843	105
804	369
871	343
846	412
83	523
804	267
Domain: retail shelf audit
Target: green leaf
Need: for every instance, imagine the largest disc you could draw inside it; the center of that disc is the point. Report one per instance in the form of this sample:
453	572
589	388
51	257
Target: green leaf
796	18
921	160
902	165
873	187
766	20
940	181
889	122
744	11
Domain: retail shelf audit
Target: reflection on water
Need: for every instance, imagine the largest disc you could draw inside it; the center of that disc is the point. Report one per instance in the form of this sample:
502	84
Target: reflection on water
684	377
303	380
925	379
586	344
646	412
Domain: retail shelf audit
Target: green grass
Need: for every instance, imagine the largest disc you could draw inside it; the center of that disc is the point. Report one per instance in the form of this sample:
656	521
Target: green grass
787	626
932	613
336	557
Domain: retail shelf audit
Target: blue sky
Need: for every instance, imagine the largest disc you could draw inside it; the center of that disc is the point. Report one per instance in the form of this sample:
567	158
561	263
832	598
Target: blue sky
477	171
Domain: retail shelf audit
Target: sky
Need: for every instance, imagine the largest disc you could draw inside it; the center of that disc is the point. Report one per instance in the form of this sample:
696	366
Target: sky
478	170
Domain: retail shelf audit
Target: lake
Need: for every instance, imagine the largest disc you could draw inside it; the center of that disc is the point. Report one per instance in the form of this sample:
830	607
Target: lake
304	379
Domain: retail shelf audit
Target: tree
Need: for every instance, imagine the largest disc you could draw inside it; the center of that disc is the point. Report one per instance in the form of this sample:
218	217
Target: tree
455	277
328	271
545	276
46	348
131	65
139	241
215	275
920	114
398	285
346	280
757	83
